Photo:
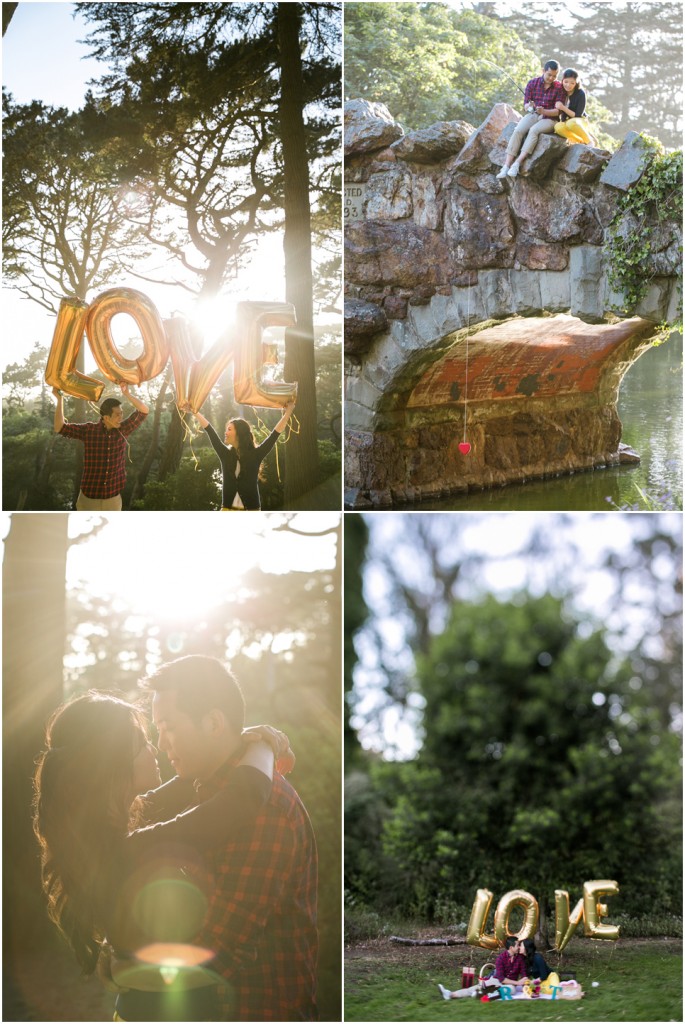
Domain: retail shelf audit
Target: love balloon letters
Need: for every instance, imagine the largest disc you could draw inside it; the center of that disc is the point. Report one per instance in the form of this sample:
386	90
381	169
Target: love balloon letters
588	909
163	340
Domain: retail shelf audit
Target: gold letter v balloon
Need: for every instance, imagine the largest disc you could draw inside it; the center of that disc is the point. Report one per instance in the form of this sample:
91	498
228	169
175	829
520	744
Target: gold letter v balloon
588	909
194	377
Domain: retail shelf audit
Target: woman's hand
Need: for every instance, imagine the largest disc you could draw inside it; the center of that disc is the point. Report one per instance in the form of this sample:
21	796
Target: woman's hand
277	740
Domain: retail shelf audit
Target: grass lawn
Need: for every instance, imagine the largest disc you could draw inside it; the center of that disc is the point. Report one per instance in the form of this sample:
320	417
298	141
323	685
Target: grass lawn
639	979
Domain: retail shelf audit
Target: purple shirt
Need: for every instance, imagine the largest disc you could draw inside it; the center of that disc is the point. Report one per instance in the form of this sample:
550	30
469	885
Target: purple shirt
537	94
505	967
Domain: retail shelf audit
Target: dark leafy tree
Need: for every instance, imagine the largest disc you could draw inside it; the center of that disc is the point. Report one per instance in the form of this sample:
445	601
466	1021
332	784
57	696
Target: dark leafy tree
428	62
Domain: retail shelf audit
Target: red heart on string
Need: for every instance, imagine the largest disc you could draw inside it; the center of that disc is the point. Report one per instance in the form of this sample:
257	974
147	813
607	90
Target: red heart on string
464	447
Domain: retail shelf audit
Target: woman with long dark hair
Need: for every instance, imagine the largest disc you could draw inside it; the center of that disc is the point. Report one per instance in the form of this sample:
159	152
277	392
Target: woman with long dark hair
241	459
572	123
98	859
536	966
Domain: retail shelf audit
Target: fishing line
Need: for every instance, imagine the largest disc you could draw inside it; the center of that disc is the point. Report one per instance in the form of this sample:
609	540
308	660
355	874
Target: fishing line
466	374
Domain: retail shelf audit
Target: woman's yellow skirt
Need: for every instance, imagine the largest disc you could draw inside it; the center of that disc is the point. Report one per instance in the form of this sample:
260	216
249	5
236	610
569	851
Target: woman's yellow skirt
574	130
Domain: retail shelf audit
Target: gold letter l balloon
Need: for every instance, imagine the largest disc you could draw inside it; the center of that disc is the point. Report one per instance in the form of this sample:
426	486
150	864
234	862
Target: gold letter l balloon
60	371
476	925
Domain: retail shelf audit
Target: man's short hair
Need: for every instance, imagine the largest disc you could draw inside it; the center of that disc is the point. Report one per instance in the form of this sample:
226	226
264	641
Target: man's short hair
200	684
551	65
108	406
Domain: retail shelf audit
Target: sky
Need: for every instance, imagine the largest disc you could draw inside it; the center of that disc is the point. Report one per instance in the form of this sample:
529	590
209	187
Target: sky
168	575
42	59
170	566
501	536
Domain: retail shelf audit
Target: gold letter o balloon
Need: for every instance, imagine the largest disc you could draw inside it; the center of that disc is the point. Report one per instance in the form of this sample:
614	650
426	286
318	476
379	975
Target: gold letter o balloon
516	898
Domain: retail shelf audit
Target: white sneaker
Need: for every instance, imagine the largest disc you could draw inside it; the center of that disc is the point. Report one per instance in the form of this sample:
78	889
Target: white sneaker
445	992
514	169
503	173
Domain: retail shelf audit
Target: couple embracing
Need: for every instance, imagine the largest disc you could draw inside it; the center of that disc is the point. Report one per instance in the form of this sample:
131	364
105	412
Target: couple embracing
195	900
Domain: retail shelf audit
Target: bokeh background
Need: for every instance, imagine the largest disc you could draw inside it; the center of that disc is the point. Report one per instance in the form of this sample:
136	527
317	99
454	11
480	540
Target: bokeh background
513	716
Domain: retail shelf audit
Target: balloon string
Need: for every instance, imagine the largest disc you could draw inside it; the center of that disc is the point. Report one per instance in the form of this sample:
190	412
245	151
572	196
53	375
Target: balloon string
263	430
189	435
466	378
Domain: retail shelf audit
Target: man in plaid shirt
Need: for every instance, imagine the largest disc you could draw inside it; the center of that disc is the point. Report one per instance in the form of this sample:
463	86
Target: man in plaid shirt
539	100
261	919
105	447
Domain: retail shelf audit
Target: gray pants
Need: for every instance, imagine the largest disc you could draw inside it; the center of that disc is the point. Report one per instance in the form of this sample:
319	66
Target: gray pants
85	504
530	128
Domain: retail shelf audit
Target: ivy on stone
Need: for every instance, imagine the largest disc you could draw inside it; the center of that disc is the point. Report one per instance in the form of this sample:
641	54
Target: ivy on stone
657	197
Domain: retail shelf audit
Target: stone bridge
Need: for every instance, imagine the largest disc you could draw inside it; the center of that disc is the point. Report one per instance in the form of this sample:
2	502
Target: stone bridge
478	311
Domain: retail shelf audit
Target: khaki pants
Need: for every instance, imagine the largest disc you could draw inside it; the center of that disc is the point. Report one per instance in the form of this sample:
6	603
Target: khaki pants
529	128
85	504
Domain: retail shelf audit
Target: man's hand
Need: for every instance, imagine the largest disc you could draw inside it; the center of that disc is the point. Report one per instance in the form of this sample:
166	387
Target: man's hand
135	402
539	110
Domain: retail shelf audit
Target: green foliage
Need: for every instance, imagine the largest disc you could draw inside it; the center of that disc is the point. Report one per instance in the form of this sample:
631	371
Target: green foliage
194	485
655	200
542	766
428	62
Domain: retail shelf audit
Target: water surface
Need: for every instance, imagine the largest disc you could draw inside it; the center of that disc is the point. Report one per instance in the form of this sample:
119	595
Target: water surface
651	410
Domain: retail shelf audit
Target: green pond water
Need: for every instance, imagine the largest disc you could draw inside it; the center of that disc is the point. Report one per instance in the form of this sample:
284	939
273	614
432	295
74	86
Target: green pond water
651	410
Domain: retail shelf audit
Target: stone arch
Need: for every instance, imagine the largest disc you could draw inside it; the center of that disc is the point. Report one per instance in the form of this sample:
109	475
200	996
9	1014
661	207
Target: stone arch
547	344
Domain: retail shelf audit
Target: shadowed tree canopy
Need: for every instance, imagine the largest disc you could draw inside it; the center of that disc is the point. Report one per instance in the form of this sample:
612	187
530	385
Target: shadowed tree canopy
66	230
225	122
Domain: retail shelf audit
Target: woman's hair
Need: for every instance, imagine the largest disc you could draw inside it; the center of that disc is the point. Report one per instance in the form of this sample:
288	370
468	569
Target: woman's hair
570	73
82	805
530	951
244	432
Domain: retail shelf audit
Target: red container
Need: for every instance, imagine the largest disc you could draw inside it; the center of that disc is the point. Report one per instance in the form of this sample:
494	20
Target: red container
468	976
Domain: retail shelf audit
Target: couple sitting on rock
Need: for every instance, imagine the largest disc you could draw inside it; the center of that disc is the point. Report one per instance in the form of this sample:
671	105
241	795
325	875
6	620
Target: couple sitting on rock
551	106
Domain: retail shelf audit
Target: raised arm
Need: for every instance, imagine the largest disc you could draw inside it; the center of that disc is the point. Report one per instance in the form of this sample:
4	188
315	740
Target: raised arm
59	420
134	400
287	413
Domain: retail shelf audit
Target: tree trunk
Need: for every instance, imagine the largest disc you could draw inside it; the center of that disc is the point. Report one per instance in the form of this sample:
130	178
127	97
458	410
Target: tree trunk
7	13
153	447
34	626
301	473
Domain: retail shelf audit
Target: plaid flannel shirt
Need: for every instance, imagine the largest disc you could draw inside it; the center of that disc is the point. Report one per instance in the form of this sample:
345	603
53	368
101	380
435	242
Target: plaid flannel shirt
104	456
537	94
505	967
261	920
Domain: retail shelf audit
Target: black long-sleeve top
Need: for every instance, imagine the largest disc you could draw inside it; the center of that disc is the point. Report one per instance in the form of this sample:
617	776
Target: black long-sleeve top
576	102
246	484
